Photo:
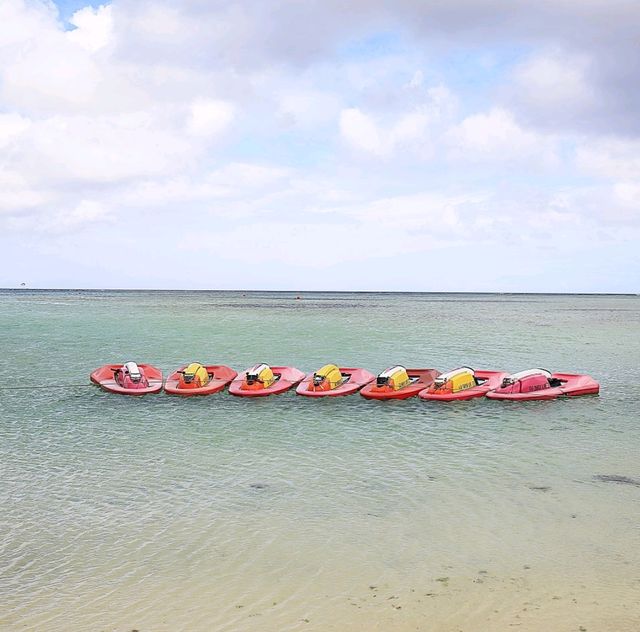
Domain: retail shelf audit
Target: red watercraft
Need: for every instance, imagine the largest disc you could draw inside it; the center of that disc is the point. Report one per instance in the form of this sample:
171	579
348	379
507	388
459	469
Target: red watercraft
262	380
128	378
463	383
199	379
542	384
333	381
397	382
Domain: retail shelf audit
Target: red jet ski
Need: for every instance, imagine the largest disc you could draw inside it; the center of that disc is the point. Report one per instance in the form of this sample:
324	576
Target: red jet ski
542	384
397	382
199	379
463	383
262	380
128	378
333	381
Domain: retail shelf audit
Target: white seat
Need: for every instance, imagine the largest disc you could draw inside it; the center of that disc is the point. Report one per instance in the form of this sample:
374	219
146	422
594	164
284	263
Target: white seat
132	369
529	373
254	371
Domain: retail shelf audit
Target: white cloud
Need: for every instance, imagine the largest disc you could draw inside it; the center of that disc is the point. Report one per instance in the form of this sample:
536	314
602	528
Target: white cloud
41	66
93	27
61	219
612	158
431	212
413	117
238	176
16	196
20	21
628	195
161	20
617	162
11	126
330	234
364	133
309	245
441	103
417	80
625	206
85	213
554	81
315	133
232	182
605	208
402	226
496	136
409	128
104	148
209	117
49	76
307	107
361	132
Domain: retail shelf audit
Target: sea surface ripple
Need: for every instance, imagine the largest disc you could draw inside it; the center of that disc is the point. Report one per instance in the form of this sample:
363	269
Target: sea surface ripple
218	513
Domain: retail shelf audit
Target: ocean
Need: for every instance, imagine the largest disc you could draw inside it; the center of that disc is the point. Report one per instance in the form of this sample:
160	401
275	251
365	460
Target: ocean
286	513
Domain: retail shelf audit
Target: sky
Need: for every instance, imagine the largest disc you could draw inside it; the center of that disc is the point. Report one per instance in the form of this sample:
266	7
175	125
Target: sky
406	145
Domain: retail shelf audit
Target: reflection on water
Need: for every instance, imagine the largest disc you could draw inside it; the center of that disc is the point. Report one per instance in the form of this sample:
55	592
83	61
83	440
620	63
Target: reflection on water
287	513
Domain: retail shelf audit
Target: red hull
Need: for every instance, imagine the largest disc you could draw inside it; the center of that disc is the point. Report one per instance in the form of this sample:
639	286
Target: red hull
103	377
357	379
493	380
424	377
288	376
222	375
573	386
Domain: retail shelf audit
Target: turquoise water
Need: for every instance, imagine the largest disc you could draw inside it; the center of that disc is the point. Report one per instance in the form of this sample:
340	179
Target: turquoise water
219	513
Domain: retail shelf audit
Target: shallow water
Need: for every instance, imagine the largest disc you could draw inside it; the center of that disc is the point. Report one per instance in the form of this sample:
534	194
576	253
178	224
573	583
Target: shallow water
292	514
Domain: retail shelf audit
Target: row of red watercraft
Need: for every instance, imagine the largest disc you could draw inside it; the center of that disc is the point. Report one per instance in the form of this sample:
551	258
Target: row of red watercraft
396	382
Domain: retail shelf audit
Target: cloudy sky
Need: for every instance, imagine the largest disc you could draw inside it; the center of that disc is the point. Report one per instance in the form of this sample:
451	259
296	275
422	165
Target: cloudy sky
472	145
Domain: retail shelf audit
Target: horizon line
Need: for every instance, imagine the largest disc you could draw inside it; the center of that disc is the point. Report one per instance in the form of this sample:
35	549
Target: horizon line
300	291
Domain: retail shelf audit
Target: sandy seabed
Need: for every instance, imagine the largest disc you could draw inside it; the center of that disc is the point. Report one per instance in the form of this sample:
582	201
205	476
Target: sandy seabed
486	602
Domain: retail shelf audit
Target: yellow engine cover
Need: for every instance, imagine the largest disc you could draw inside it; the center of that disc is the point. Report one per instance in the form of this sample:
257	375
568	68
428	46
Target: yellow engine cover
462	381
267	377
331	374
198	372
397	377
